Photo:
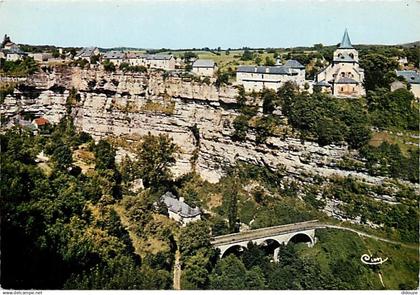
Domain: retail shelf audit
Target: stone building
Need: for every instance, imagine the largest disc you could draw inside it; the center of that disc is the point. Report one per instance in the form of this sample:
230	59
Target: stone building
160	61
204	67
136	59
180	211
343	76
255	78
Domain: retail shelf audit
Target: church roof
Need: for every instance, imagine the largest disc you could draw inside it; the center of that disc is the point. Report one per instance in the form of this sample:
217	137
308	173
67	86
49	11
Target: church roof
345	42
346	80
344	57
323	84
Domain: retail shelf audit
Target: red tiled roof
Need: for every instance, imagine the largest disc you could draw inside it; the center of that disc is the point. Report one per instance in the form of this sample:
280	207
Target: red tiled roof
41	121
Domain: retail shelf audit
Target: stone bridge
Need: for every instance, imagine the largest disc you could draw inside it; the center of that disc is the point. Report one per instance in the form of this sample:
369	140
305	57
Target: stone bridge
270	237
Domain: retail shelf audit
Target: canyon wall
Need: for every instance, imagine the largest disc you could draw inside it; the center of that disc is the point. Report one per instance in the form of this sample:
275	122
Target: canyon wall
135	104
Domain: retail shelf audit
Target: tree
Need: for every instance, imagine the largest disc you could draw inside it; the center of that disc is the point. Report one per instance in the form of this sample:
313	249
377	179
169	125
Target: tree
108	66
188	55
94	59
379	70
193	237
247	55
63	156
228	274
240	124
156	156
269	98
222	79
269	61
104	155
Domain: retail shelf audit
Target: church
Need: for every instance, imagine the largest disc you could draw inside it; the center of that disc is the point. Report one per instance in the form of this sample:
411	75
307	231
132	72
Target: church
343	77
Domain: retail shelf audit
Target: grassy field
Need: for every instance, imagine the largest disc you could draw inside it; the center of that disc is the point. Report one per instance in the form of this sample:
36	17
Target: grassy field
398	272
405	140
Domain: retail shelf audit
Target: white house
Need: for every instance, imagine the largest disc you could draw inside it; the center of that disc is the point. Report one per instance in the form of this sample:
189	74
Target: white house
255	78
204	67
412	78
114	56
180	211
344	76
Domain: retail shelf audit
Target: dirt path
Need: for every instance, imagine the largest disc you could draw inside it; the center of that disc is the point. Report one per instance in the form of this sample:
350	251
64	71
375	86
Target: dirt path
177	271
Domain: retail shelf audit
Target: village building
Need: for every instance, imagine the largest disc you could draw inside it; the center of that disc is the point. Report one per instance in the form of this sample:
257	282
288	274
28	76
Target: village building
13	54
40	123
136	59
180	211
413	79
256	78
41	57
114	56
86	53
343	77
160	61
10	51
204	67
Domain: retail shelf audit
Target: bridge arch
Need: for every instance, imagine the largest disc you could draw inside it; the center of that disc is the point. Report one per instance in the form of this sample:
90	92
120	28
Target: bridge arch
301	237
233	249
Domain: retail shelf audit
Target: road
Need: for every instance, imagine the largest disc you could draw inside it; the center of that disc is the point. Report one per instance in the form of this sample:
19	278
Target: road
177	271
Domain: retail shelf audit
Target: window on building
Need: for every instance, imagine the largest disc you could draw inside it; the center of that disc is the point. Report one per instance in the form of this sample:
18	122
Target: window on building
351	55
342	89
343	74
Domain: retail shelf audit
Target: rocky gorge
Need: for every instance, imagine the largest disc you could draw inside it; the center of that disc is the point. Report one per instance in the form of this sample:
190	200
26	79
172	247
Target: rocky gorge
132	104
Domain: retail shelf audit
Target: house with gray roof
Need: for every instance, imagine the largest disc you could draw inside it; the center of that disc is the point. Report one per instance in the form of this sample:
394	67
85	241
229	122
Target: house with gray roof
256	78
160	61
413	79
115	56
86	53
204	67
179	210
136	59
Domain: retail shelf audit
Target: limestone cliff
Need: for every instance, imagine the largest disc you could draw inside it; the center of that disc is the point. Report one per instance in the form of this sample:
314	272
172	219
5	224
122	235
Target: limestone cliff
130	104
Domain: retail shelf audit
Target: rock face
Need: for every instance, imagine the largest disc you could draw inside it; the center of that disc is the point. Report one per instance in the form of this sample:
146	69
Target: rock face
135	104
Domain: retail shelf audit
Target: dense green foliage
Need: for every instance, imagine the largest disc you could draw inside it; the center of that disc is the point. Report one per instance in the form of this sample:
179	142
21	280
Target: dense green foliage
24	67
60	230
379	70
393	109
155	156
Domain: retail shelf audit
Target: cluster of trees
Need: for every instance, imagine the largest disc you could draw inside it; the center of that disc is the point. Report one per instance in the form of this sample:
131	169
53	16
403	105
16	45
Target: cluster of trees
317	116
24	67
388	160
393	110
396	218
59	227
127	68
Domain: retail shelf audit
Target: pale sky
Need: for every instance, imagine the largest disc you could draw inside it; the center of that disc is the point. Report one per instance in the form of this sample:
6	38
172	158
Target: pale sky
208	23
